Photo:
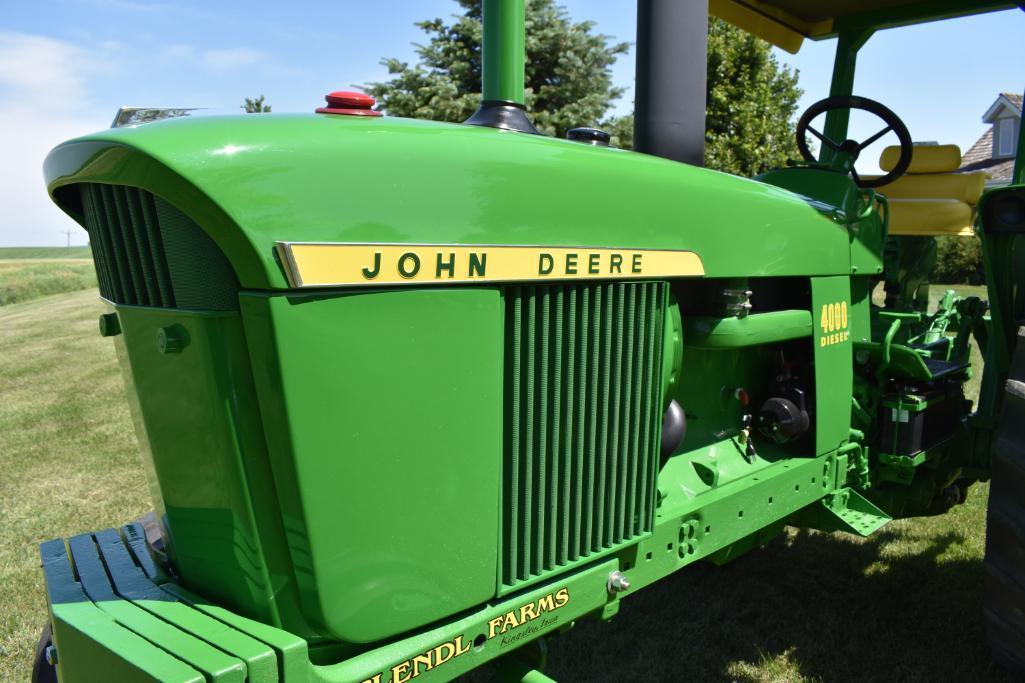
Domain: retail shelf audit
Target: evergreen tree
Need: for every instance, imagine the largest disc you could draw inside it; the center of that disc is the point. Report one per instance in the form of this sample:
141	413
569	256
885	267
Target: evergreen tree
751	97
568	78
255	105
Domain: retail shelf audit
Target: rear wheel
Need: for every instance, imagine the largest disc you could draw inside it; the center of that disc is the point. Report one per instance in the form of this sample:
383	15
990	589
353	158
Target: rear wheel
1005	525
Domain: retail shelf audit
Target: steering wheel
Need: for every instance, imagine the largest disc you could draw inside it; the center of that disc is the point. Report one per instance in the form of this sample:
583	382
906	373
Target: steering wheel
846	152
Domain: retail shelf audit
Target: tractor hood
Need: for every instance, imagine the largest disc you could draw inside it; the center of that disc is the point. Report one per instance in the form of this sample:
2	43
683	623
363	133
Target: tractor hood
252	182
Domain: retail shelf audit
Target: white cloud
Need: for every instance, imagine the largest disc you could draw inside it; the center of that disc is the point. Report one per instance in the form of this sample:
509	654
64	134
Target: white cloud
32	64
181	51
44	100
231	58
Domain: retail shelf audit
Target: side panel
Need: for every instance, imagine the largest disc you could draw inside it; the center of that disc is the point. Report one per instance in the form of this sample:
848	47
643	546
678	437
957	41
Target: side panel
383	413
832	316
201	438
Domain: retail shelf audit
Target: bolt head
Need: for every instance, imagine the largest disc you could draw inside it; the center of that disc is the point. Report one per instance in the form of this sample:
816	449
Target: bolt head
617	582
171	339
110	325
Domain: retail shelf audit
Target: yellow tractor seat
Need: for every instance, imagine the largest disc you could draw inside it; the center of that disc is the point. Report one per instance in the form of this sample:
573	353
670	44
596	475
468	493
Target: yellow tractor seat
931	199
930	217
964	187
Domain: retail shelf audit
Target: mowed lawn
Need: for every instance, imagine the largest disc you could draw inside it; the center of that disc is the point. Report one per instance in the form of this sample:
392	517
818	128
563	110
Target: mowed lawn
903	605
28	273
78	252
68	455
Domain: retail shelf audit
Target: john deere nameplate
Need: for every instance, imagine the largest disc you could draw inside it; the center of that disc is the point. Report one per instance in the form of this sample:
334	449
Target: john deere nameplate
340	264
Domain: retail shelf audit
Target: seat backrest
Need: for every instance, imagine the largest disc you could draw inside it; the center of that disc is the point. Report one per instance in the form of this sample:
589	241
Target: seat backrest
924	159
932	175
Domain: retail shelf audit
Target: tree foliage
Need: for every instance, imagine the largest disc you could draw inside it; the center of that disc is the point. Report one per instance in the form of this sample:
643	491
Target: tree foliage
568	78
958	261
255	105
750	105
751	97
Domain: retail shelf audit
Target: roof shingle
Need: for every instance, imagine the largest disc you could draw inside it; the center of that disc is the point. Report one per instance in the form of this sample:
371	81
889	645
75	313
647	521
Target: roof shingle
982	150
979	156
1014	98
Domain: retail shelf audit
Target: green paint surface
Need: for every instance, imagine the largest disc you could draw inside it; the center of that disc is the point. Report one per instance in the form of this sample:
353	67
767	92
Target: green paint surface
250	181
383	415
834	375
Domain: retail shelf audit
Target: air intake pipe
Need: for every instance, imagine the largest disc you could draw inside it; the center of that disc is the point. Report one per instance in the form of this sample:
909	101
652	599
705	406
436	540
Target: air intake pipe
502	99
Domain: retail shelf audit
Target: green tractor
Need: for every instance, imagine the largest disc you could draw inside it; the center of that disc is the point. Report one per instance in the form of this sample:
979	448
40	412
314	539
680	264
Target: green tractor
414	396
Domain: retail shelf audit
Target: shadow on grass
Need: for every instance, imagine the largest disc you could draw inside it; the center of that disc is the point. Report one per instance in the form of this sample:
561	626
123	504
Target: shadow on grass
809	606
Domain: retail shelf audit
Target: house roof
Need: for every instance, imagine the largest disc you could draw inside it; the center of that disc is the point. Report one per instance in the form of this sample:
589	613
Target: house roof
982	150
979	157
1005	100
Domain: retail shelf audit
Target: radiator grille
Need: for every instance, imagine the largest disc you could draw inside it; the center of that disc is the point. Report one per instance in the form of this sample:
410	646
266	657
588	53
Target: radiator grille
148	253
583	414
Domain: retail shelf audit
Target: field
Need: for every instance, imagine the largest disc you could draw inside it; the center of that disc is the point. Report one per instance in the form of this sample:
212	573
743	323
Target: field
28	273
44	253
68	455
903	605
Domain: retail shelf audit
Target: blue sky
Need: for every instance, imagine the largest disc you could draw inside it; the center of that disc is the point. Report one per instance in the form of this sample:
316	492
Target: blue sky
67	65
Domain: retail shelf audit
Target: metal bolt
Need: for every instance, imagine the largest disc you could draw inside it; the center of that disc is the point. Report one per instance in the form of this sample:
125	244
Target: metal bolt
110	326
171	339
51	655
617	582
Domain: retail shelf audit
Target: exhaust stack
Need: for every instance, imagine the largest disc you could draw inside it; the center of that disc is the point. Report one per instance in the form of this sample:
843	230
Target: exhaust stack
669	108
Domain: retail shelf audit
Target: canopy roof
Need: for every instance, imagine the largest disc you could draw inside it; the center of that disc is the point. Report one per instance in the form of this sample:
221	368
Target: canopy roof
786	23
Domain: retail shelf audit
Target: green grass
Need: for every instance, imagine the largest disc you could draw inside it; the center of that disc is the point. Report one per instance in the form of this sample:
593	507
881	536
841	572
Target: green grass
44	252
26	279
903	605
69	459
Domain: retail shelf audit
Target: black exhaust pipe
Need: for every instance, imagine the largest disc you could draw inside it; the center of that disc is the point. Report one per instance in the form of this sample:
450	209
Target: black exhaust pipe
669	108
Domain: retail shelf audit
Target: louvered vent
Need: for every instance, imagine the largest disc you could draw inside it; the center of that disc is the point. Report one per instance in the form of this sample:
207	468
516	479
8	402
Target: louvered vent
148	253
583	414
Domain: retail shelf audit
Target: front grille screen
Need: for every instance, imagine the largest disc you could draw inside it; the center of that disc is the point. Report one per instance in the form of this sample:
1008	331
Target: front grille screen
148	253
583	414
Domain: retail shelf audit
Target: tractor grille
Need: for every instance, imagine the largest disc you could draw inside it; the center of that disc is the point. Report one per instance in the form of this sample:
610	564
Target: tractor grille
583	414
148	253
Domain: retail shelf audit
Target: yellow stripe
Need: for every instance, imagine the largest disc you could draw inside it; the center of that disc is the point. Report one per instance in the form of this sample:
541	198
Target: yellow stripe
325	265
